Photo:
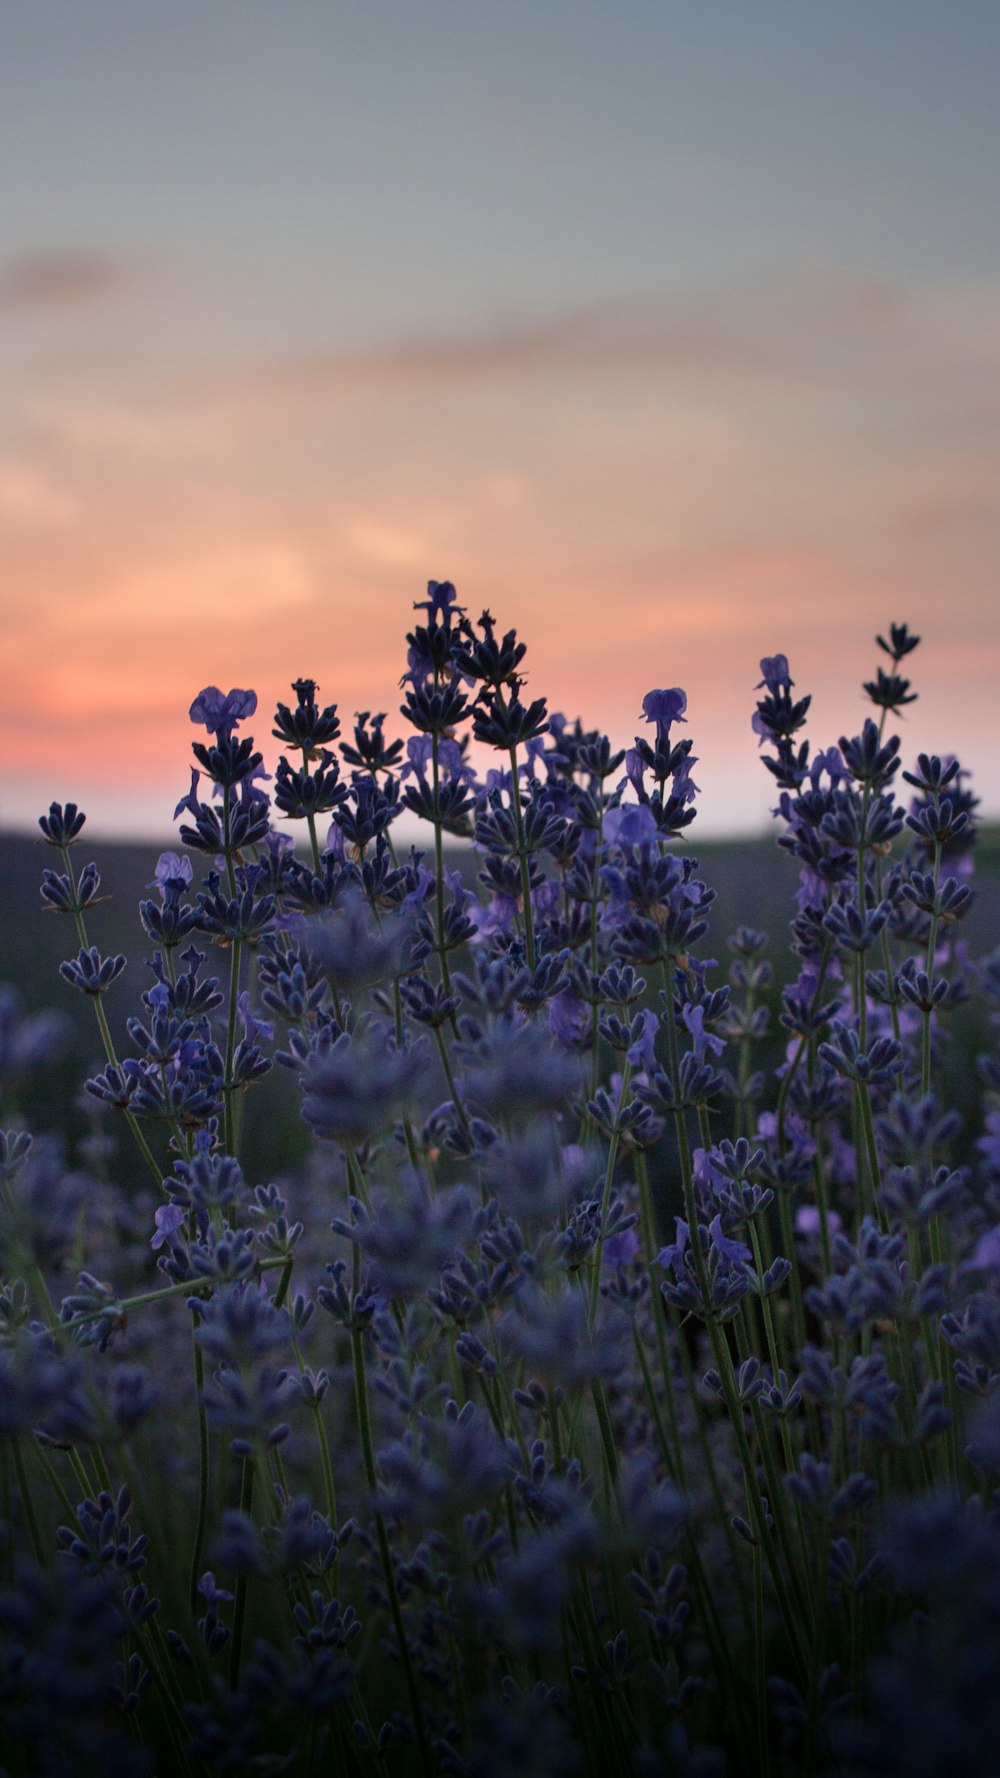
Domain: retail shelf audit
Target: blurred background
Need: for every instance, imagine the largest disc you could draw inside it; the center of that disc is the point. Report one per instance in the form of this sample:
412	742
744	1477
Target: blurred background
669	331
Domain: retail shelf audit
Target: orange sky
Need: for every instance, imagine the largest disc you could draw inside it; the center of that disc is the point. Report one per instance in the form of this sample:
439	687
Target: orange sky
228	458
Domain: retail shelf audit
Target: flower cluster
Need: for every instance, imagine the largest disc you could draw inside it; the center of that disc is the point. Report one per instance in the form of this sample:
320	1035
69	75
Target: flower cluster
609	1382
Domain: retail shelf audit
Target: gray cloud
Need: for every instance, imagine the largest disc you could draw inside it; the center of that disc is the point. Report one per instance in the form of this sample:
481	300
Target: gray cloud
804	328
611	337
61	279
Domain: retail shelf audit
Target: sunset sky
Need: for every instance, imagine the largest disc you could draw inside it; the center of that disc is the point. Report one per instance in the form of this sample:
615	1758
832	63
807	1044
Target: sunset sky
669	331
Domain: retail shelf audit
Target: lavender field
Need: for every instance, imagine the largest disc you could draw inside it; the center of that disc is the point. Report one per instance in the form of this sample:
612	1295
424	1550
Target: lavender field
526	1305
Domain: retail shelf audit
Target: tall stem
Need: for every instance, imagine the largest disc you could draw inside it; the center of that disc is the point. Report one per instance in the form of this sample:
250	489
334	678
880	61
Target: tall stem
368	1455
925	1045
240	1608
609	1174
529	919
201	1521
227	1084
439	867
311	822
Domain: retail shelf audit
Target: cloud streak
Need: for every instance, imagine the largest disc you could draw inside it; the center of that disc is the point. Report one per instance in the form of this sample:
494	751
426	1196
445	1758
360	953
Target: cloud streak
62	278
805	337
769	332
786	343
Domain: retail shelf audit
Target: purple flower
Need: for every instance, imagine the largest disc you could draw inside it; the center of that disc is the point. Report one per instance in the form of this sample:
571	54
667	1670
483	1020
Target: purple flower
253	1028
452	766
408	1237
535	754
987	1255
831	761
635	771
620	1250
190	802
423	887
496	917
809	1222
335	846
546	898
989	1145
219	713
61	826
813	892
569	1018
576	1168
215	1595
440	601
168	1219
642	1054
733	1253
694	1019
673	1256
173	871
664	708
774	667
520	1074
630	825
419	753
352	1088
684	789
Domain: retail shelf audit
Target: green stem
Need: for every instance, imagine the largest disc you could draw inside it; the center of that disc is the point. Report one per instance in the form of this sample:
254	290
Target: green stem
595	900
227	1084
871	1151
439	870
608	1445
311	822
27	1503
240	1607
324	1442
925	1045
355	1174
801	1047
201	1522
193	1286
887	953
368	1456
795	1280
765	1303
724	1361
609	1174
54	1483
227	840
284	1281
529	919
449	1075
760	1656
